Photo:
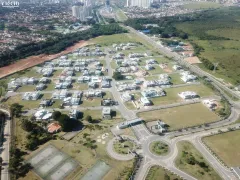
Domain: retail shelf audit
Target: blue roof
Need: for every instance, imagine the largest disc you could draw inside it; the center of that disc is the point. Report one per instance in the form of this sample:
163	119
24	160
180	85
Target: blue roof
146	31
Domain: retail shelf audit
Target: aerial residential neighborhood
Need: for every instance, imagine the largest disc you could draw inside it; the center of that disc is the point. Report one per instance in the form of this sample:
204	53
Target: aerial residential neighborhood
135	89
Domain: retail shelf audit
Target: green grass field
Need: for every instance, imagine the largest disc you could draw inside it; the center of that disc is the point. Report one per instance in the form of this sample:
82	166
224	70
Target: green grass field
182	116
172	94
158	173
111	39
201	5
226	146
208	32
188	153
120	15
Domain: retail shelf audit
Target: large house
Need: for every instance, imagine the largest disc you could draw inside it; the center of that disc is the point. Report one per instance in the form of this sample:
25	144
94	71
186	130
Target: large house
188	95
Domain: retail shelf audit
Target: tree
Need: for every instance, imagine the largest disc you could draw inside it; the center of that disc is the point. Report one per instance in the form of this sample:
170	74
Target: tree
89	119
118	76
166	177
56	115
66	122
16	109
27	125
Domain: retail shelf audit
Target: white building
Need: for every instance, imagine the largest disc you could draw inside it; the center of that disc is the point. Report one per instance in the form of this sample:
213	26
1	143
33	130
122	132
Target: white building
81	11
188	95
210	103
127	97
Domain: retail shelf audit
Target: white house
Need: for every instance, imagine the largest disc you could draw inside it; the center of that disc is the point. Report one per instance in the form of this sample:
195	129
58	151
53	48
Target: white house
145	101
188	95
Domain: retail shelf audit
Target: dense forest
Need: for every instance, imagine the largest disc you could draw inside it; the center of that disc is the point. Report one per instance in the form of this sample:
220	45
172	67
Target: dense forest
166	25
58	44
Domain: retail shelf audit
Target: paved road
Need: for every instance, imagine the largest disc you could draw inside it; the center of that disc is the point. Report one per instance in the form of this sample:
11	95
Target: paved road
5	154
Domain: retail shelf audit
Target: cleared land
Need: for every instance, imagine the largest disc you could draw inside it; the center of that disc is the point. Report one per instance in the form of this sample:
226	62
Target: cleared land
35	60
182	116
226	146
192	162
217	32
158	173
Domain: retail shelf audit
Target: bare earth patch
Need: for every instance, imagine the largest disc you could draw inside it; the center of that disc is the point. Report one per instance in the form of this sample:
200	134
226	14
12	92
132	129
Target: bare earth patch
35	60
193	60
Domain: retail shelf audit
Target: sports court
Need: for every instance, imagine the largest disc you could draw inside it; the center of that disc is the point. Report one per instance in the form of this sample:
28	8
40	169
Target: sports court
52	164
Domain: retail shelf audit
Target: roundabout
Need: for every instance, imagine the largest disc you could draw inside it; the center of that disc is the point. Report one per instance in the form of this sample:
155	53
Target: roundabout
123	148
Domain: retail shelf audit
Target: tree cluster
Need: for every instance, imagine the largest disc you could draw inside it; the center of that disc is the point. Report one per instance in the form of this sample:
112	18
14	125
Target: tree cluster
118	76
66	122
16	166
190	159
16	109
36	134
18	28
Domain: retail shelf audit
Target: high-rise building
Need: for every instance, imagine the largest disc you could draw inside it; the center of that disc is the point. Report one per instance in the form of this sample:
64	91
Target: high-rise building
82	10
139	3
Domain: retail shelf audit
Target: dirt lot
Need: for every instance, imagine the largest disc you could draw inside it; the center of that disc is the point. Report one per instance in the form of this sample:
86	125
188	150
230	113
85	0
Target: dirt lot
193	60
35	60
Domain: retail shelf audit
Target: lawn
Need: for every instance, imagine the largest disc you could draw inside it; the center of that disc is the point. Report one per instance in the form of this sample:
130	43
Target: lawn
130	105
79	86
30	73
50	87
191	161
108	95
113	65
26	88
156	70
26	104
159	148
91	102
176	79
158	173
151	78
226	146
201	5
182	116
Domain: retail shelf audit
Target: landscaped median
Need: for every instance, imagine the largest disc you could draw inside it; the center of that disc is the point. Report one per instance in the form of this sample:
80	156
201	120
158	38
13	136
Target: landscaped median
159	148
158	173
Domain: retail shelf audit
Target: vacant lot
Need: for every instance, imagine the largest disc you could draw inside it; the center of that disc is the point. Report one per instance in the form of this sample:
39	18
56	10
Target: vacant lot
183	116
226	146
158	173
172	94
192	162
111	39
